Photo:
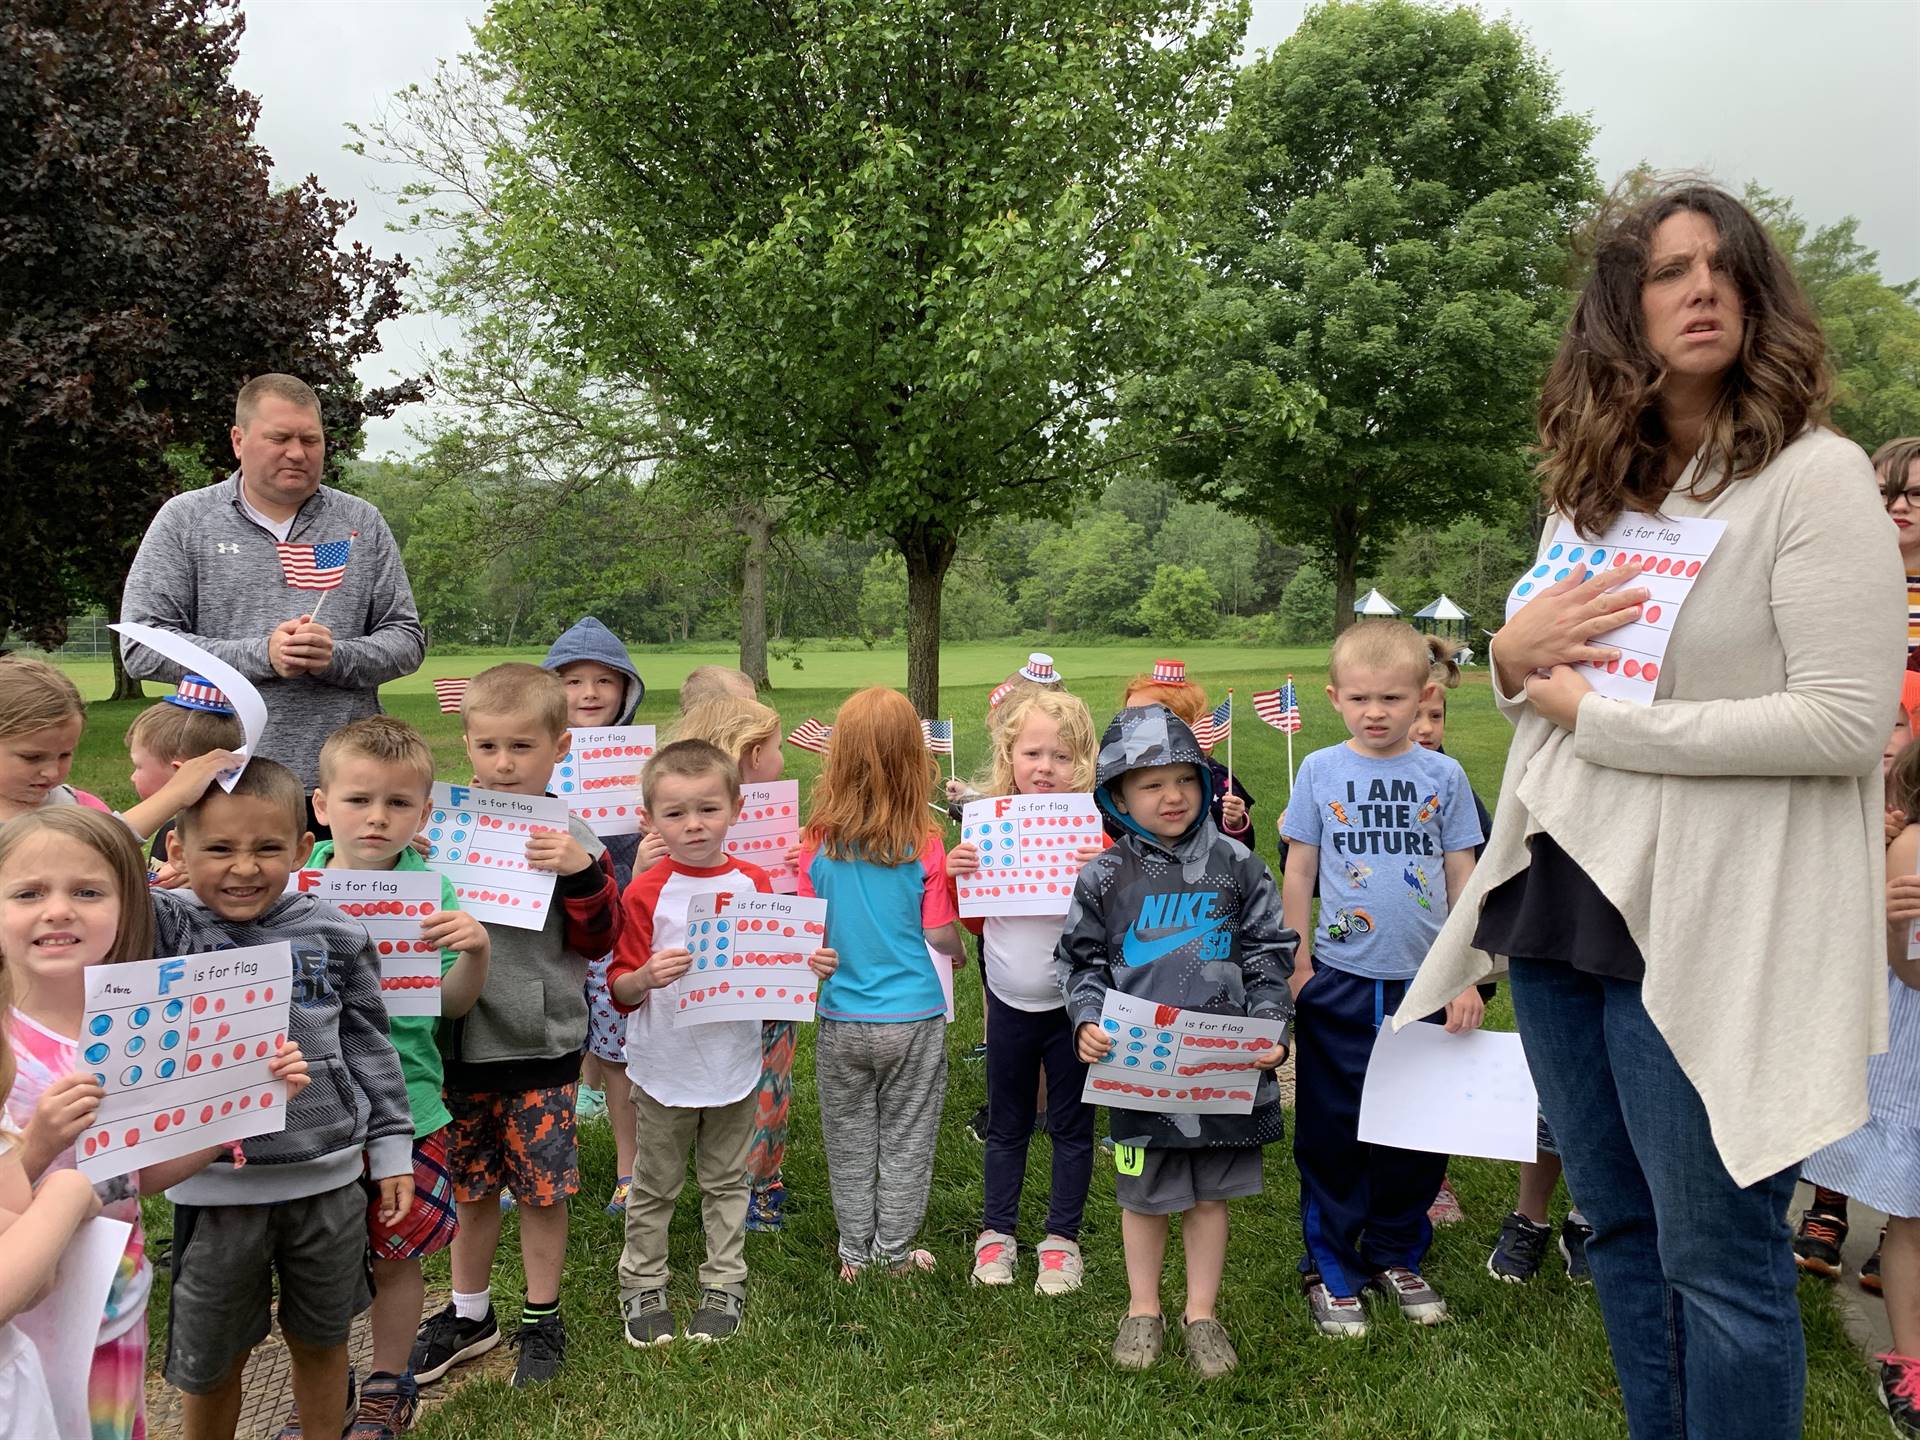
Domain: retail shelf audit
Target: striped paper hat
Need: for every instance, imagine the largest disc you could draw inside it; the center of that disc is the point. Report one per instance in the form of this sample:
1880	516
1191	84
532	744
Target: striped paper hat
196	692
1169	672
1039	669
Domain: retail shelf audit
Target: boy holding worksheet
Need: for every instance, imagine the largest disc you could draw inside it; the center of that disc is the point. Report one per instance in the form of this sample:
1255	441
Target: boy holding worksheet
1388	830
1179	915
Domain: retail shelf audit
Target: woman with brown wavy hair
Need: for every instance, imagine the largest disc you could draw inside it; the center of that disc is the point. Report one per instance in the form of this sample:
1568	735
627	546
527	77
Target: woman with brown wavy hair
1689	892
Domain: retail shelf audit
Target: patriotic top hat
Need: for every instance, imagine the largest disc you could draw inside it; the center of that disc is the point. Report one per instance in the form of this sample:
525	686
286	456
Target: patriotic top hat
1039	669
196	692
1169	672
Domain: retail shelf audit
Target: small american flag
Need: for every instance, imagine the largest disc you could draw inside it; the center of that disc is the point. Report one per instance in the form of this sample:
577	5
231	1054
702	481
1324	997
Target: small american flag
450	693
1279	708
1210	730
316	567
811	735
939	735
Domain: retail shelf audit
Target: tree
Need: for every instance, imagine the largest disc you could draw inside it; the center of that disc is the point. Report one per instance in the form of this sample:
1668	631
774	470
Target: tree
1087	576
1390	267
1181	604
1306	607
890	259
147	268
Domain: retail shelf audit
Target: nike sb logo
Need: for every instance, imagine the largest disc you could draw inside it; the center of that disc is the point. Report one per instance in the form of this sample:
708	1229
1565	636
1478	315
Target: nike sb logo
1183	918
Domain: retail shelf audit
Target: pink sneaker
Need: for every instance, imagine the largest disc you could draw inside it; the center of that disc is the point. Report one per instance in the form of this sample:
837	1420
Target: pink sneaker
1060	1268
994	1256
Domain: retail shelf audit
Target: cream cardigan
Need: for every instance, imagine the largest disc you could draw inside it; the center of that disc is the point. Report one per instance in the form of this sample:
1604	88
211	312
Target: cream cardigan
1736	823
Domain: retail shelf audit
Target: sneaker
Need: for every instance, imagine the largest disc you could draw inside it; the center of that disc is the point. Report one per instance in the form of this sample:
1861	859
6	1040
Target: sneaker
543	1346
1209	1352
445	1340
978	1052
1517	1253
994	1256
1060	1268
767	1207
1870	1268
1138	1345
291	1429
914	1262
590	1104
1418	1301
1445	1209
1817	1242
1900	1392
649	1320
388	1404
507	1202
1574	1234
977	1126
1106	1144
720	1313
617	1206
1341	1316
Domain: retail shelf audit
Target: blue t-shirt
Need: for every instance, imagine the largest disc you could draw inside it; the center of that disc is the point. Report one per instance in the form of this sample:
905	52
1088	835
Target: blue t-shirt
1383	827
877	918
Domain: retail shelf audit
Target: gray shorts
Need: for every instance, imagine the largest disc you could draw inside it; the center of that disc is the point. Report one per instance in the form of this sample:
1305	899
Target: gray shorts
225	1261
1172	1181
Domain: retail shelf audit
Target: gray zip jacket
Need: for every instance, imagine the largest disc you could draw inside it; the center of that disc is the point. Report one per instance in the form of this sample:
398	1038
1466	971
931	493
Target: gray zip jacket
208	572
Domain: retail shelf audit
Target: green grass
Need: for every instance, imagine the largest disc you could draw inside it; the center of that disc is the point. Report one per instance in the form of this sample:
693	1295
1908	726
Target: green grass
929	1356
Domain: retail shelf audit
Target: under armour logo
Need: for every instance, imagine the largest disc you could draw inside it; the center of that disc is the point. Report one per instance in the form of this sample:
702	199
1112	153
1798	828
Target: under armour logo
222	548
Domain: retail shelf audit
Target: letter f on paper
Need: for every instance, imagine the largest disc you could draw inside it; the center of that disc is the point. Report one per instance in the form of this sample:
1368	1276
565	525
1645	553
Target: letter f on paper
170	972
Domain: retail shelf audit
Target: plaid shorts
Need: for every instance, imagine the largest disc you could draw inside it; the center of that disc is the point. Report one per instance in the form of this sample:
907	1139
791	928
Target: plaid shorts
522	1141
428	1227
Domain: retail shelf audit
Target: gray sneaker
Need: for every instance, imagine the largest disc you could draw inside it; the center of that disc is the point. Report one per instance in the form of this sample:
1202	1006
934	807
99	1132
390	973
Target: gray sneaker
720	1313
1209	1351
1408	1289
649	1320
1341	1316
1137	1346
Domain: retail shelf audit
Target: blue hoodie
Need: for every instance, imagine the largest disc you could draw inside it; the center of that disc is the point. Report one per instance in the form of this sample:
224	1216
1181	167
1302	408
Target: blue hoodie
588	639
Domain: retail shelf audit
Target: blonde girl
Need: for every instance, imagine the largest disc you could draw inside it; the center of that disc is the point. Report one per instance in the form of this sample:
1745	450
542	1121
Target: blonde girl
73	893
1044	744
41	717
880	1059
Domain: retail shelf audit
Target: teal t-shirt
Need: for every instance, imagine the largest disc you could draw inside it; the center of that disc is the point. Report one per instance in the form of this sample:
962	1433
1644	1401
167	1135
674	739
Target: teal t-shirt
414	1035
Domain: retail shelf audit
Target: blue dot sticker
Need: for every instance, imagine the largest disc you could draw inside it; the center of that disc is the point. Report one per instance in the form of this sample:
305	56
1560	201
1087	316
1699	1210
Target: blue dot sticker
140	1017
1131	1060
136	1045
1110	1025
1524	587
721	926
1561	574
175	1009
1554	553
1539	571
1135	1031
167	1067
97	1053
132	1075
169	1039
1576	552
100	1024
439	817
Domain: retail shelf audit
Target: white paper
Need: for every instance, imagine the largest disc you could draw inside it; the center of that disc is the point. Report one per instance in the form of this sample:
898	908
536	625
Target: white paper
1177	1061
239	690
599	777
1670	554
1468	1094
1027	846
479	841
768	827
182	1046
943	972
66	1324
390	905
750	958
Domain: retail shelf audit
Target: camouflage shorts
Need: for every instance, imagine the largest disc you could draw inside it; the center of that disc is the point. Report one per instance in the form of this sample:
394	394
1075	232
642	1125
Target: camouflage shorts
522	1141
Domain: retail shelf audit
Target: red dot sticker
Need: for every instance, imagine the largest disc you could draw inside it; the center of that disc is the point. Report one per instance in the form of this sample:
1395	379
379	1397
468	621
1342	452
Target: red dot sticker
1693	569
1652	614
266	1099
1631	668
206	1113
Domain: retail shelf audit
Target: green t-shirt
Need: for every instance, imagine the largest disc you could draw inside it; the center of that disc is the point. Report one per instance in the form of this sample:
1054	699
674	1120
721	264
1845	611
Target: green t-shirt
413	1035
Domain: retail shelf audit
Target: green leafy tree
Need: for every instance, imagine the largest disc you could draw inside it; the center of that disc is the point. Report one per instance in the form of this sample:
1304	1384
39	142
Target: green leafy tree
1306	608
1397	187
889	256
883	594
1087	576
1181	604
1224	546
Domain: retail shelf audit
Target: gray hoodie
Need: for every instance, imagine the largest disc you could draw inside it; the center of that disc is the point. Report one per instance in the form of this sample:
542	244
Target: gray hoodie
207	571
588	639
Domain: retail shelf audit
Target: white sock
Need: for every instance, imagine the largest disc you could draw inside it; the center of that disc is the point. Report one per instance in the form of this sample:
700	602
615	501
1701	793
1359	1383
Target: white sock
473	1307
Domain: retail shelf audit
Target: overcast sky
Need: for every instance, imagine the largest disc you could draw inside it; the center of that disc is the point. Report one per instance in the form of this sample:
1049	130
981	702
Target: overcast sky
1814	100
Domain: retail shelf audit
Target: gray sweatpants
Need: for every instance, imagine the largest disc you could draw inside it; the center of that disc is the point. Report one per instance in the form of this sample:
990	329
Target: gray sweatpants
881	1090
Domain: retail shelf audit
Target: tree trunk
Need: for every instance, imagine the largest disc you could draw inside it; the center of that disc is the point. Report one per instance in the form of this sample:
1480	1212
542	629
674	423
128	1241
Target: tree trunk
1346	567
929	554
125	687
757	526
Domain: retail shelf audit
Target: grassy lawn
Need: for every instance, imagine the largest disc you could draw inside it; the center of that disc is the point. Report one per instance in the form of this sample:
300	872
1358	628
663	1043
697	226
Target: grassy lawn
929	1356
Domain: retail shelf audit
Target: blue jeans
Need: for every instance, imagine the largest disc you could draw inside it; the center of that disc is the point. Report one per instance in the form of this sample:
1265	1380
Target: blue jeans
1695	1274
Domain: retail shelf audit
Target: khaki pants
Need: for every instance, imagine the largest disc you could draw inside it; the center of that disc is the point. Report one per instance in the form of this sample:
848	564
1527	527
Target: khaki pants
719	1137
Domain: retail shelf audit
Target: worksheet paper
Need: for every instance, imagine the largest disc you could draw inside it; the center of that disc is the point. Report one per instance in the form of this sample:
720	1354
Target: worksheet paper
479	840
67	1322
1174	1060
1670	555
1468	1094
390	905
750	958
768	827
599	777
182	1047
246	701
1027	846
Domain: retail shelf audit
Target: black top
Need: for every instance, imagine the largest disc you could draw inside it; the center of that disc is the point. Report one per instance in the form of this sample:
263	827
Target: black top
1552	911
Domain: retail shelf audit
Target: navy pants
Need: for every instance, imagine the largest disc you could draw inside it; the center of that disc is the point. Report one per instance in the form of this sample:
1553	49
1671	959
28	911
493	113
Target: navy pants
1363	1207
1019	1044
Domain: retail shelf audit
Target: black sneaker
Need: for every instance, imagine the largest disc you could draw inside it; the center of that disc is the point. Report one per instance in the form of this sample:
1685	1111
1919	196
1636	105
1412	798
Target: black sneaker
445	1340
543	1345
977	1126
649	1319
1518	1252
1870	1269
1900	1392
1574	1234
388	1404
1817	1243
720	1313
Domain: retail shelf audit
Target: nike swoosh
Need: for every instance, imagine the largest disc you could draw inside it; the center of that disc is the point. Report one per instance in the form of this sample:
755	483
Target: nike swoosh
1136	951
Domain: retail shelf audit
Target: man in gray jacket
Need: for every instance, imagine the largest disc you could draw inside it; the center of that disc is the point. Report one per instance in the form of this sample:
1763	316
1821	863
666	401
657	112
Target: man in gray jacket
239	568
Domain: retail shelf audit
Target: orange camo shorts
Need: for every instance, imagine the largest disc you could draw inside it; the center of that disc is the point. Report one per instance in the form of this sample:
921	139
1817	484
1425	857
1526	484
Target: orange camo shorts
522	1141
